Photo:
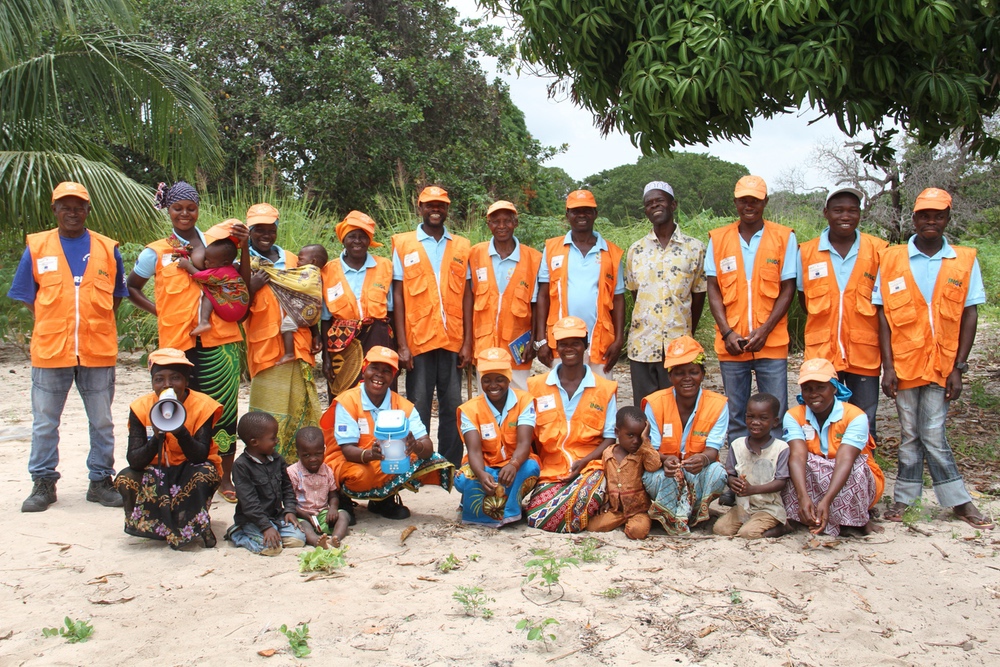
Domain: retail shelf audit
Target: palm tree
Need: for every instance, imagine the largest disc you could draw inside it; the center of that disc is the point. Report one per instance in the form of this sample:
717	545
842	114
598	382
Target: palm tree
67	94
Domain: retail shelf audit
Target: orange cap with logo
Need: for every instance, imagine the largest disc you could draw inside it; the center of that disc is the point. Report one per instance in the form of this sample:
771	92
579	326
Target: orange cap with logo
751	186
262	214
569	327
433	193
932	198
494	360
683	350
168	356
581	199
357	220
501	206
816	370
70	189
382	355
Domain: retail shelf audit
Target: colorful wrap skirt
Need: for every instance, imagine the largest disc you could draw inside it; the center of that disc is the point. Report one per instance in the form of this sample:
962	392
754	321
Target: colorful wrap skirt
850	507
566	507
502	507
679	506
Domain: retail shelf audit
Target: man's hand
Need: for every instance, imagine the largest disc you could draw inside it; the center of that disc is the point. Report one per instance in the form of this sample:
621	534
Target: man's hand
545	355
405	358
953	385
291	518
732	343
757	339
272	538
890	384
465	355
612	354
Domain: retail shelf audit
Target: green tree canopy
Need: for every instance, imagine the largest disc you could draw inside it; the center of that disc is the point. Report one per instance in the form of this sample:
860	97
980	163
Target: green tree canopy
700	182
685	73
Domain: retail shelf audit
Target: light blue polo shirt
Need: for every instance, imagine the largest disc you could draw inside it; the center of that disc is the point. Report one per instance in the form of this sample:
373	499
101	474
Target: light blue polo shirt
345	427
925	272
749	252
842	266
583	275
716	436
526	418
145	263
503	268
855	435
434	249
356	281
571	402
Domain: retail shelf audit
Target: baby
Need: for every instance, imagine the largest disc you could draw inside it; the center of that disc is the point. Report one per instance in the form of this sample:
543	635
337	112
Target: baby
316	495
627	502
265	518
758	470
223	285
310	255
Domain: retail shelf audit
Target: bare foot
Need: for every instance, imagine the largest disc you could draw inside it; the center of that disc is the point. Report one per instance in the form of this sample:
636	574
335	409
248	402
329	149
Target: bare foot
204	327
285	359
335	541
779	530
871	528
324	542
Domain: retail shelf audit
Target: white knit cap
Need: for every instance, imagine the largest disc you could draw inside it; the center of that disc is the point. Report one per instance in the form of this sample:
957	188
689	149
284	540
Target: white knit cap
658	185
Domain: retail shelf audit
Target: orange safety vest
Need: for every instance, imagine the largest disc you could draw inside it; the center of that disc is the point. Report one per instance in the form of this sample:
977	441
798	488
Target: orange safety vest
499	447
265	344
177	297
842	327
496	320
749	304
664	406
343	303
924	335
434	318
604	329
199	408
557	445
73	325
835	434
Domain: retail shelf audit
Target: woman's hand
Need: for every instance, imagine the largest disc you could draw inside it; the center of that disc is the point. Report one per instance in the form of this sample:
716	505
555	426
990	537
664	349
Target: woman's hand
317	345
240	232
671	464
422	448
374	453
806	510
488	483
507	474
575	469
821	514
696	463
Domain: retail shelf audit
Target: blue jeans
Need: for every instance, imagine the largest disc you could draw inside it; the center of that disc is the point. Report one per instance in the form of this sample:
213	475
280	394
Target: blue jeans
864	394
772	378
49	388
922	412
251	538
438	369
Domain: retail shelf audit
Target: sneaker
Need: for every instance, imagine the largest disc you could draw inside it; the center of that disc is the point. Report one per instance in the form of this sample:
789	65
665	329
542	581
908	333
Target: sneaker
43	494
390	508
728	498
104	492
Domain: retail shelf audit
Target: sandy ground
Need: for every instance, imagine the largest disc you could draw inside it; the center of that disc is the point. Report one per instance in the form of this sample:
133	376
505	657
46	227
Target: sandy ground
899	598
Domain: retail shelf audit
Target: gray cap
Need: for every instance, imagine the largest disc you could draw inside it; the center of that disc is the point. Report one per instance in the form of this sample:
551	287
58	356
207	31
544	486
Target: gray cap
849	190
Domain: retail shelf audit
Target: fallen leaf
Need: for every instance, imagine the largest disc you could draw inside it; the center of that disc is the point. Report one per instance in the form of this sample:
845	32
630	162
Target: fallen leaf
706	631
266	652
118	601
428	579
101	580
207	572
406	533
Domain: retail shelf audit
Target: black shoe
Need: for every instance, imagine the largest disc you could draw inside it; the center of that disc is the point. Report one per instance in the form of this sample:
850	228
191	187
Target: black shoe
209	537
104	492
43	494
728	498
348	505
390	508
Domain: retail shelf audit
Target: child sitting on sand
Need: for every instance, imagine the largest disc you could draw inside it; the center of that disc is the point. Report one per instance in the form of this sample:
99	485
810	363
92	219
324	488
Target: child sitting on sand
265	518
310	255
627	502
316	495
758	470
223	285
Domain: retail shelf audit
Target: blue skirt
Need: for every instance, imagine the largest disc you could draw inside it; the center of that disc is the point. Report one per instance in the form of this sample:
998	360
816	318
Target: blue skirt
495	511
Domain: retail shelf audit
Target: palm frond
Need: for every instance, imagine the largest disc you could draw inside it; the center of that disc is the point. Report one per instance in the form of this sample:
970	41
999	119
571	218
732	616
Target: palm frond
24	22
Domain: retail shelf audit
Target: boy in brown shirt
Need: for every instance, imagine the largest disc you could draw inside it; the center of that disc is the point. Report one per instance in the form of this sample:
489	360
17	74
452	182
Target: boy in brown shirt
627	502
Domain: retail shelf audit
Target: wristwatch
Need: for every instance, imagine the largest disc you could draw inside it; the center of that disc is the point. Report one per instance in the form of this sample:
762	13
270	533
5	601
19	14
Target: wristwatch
538	344
962	367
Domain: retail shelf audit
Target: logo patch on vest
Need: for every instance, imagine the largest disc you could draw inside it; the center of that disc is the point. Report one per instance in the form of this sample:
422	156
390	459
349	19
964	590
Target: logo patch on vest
869	276
771	260
481	274
596	406
668	430
46	264
956	282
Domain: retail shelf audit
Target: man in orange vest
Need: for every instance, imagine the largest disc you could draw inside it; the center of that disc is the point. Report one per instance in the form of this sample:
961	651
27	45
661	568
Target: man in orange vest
836	275
927	293
502	291
575	269
750	265
429	268
72	280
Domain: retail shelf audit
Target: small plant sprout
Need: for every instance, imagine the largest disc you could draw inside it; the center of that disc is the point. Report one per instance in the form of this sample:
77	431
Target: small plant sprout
474	601
611	593
586	551
735	596
322	560
298	639
474	557
538	631
448	564
916	513
73	632
547	567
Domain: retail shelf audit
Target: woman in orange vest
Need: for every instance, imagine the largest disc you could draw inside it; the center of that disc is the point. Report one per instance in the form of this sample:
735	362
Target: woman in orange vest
575	412
355	455
172	476
497	427
835	479
357	304
216	354
687	425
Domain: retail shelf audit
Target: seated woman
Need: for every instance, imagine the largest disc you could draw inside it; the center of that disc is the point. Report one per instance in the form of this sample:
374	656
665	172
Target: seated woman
171	477
574	423
833	485
354	454
687	424
499	470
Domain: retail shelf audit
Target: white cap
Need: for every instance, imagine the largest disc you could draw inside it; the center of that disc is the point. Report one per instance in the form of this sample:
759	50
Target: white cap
846	189
658	185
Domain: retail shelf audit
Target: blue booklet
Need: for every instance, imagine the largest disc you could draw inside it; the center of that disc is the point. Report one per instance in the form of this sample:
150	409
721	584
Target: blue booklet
517	347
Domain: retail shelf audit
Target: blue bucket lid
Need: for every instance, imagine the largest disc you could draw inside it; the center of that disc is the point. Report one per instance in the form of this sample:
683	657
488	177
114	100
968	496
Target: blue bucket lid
391	425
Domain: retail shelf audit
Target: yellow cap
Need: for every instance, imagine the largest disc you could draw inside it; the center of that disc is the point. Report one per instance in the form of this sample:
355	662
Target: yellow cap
816	370
433	193
683	350
261	214
70	189
751	186
494	360
569	327
501	206
168	356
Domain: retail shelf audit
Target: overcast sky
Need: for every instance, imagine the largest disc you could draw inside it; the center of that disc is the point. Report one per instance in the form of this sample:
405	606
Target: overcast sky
776	147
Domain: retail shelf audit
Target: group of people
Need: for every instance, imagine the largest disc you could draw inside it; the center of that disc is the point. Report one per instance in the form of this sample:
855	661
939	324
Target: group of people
554	448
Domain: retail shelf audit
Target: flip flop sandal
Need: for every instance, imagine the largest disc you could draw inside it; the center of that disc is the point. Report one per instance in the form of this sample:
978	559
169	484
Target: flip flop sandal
229	495
895	513
980	522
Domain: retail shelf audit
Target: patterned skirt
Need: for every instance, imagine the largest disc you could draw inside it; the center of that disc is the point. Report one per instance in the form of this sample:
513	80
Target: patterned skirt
566	507
288	393
850	507
366	481
680	506
216	372
168	502
505	505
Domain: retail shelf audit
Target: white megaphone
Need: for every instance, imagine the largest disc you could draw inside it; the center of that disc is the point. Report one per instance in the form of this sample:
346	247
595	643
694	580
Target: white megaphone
168	414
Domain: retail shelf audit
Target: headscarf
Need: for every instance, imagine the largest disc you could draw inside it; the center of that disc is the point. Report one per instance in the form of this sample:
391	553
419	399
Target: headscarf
357	220
179	191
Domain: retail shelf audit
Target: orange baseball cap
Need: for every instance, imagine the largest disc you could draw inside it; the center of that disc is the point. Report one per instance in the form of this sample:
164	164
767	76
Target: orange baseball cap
569	327
932	198
382	355
70	189
262	214
223	231
433	193
168	356
751	186
494	360
816	370
357	220
500	206
581	199
683	350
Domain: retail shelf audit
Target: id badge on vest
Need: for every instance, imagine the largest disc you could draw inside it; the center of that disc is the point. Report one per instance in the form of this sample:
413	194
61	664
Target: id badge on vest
488	431
47	264
808	431
818	270
363	426
728	264
546	403
411	258
335	292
